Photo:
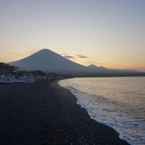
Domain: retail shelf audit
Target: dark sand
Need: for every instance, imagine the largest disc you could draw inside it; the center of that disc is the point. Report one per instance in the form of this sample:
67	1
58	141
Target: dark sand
45	114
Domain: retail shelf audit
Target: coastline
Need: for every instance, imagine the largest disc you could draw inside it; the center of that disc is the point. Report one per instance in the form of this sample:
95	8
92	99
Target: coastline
46	113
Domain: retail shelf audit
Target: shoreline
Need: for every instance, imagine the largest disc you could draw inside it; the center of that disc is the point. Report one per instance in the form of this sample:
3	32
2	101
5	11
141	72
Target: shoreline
46	113
108	131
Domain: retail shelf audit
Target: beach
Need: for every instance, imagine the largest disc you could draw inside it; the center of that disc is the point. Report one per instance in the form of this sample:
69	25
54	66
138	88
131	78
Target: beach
43	113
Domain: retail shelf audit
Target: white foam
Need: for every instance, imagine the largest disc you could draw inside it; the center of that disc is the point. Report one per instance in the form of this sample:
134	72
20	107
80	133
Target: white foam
104	111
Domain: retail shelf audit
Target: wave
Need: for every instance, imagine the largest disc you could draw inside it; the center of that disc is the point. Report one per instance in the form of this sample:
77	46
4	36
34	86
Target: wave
105	111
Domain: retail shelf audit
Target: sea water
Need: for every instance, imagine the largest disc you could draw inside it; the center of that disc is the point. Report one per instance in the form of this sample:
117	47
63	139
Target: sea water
119	102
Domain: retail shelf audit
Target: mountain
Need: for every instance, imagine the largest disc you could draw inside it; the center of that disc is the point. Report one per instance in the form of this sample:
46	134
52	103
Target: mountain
102	71
49	61
95	68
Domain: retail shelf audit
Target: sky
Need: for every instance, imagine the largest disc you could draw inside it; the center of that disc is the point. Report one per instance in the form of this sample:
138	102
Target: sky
108	33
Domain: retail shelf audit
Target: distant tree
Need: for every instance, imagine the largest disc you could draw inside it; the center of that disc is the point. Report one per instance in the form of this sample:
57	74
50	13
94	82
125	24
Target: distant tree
38	73
6	68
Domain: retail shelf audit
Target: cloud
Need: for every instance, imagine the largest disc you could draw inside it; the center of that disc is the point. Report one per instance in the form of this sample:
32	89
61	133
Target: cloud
81	56
69	57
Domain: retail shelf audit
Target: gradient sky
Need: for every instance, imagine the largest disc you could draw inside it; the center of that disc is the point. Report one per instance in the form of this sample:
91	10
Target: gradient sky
104	32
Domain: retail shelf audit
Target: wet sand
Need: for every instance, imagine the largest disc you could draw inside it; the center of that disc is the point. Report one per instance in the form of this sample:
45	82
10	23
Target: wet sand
44	113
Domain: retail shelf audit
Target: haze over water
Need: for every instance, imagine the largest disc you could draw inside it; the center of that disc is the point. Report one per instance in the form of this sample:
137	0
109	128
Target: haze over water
117	102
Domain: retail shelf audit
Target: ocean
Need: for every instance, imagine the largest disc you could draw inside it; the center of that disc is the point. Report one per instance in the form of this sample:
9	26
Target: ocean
119	102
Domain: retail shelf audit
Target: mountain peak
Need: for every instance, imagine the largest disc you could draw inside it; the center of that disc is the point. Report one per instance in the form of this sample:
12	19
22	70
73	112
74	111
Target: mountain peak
47	60
44	54
43	50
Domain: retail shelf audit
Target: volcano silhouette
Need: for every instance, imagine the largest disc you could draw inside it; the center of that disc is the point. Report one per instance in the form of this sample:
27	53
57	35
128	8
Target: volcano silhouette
49	61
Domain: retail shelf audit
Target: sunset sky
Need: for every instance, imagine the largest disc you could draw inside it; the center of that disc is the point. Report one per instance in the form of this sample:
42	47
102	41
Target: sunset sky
108	33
